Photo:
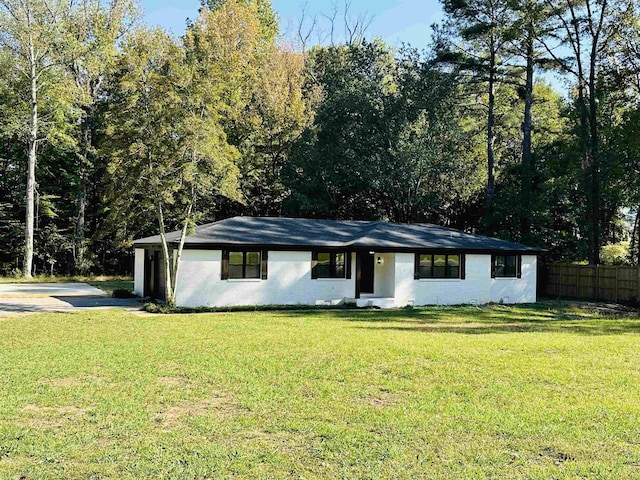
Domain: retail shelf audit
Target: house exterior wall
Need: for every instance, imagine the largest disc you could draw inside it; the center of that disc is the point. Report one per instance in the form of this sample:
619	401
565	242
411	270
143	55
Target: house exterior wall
478	286
384	275
288	282
138	272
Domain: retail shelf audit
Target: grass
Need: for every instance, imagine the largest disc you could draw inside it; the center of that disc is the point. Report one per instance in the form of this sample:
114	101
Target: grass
546	391
113	284
103	282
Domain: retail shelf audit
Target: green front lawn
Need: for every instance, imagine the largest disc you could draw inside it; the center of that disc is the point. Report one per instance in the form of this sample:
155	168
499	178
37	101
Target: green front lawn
499	392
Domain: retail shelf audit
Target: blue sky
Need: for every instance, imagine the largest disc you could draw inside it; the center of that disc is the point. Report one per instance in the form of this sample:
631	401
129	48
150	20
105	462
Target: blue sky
396	21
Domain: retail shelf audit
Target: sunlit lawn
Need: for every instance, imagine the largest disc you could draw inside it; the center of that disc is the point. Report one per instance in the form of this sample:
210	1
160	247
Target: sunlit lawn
530	392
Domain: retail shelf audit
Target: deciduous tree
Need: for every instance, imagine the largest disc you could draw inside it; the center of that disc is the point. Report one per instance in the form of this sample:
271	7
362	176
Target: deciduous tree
590	32
96	28
36	34
167	147
384	138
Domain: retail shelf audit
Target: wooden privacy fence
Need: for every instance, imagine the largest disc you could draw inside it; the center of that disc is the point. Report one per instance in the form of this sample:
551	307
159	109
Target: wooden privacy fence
601	282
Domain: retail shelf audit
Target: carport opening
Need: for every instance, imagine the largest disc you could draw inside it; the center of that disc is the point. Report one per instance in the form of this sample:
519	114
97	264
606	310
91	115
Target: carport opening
154	274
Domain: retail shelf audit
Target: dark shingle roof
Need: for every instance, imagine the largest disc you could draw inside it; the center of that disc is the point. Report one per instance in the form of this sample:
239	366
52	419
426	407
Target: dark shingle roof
300	232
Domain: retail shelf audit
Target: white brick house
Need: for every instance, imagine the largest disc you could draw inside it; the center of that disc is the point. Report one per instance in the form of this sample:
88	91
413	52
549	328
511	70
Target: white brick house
278	261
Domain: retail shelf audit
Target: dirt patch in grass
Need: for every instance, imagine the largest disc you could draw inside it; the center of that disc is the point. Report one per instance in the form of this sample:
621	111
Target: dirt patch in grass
65	382
383	399
14	462
51	417
222	406
382	402
62	410
171	381
70	382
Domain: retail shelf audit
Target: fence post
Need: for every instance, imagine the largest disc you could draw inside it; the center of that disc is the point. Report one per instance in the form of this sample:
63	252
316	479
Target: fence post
617	280
578	281
596	287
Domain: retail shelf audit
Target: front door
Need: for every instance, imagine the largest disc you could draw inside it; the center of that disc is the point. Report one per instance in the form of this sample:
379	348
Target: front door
366	272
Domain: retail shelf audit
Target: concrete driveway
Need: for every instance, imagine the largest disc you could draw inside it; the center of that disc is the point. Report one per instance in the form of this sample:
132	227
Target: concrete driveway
25	290
16	298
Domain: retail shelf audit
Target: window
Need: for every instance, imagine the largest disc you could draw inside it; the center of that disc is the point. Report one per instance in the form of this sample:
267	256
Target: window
505	266
439	265
244	264
329	265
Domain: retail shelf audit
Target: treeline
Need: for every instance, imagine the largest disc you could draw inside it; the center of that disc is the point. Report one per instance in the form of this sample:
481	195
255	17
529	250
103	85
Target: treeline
110	130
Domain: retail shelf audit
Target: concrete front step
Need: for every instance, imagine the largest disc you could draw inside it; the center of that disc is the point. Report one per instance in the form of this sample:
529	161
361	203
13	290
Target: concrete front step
379	302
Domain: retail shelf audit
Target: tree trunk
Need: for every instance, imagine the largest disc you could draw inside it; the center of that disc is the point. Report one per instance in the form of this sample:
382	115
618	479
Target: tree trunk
490	134
594	167
593	256
80	242
32	138
526	166
490	141
634	248
168	290
176	260
80	245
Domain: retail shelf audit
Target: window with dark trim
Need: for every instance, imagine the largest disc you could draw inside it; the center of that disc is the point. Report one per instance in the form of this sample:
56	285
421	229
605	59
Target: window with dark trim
239	264
330	265
439	265
506	266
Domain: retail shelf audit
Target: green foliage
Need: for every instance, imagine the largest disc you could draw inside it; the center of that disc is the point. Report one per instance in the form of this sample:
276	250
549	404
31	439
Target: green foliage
74	53
276	116
97	28
165	143
473	40
593	31
553	214
615	254
170	109
381	145
263	83
37	36
230	119
264	11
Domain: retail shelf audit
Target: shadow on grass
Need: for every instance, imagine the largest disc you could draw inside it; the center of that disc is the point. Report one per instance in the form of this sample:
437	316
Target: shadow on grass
586	327
564	317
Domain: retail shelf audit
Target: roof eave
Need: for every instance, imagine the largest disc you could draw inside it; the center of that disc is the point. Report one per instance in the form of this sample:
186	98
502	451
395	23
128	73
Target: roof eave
308	247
